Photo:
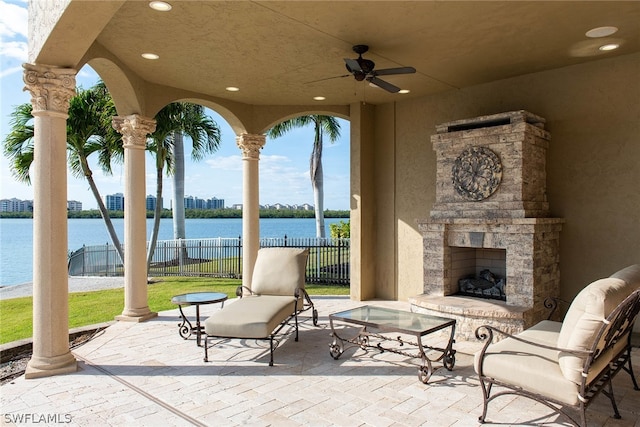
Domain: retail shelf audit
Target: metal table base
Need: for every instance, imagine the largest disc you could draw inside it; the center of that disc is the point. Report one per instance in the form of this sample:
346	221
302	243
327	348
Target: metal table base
386	323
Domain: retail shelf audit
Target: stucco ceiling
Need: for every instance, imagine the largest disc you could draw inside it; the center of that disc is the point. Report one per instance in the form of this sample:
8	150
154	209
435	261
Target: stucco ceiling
285	53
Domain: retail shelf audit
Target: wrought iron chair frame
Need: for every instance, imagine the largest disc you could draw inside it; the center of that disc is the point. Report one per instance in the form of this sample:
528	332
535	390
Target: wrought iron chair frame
300	294
618	324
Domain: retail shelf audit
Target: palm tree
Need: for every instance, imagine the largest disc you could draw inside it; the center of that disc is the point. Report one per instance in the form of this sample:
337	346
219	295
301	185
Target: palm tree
322	124
175	119
89	131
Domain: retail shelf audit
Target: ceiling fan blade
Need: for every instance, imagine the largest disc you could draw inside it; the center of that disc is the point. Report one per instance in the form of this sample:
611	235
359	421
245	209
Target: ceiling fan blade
328	78
384	85
399	70
352	65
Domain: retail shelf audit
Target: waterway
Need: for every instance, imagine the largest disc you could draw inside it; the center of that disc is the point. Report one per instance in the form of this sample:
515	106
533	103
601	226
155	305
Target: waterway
16	237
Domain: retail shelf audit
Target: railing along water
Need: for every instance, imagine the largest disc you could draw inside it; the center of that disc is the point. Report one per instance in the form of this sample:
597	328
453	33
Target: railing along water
218	257
100	260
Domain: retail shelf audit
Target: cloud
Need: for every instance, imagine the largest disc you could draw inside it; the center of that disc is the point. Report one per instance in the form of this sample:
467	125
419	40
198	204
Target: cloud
13	37
14	50
13	20
226	163
8	71
282	180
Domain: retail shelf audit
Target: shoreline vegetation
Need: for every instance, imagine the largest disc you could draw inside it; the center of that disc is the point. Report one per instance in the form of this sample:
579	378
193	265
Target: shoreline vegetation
196	213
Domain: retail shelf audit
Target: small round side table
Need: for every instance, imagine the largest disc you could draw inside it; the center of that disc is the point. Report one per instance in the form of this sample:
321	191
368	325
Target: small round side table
186	328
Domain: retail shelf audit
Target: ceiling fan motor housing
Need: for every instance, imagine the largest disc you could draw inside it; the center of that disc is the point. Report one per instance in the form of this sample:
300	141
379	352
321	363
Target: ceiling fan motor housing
366	65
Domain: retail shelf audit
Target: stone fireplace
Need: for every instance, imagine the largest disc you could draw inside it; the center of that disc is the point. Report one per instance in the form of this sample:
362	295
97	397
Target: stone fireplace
490	214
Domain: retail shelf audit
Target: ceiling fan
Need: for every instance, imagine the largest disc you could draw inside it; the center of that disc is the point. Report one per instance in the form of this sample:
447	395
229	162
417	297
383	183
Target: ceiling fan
364	69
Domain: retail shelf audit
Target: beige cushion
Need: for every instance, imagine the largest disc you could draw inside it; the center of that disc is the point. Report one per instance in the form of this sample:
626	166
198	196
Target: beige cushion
279	271
584	318
532	368
630	274
250	317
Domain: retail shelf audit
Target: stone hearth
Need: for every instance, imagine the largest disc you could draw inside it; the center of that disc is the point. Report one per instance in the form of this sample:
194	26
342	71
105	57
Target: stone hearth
491	200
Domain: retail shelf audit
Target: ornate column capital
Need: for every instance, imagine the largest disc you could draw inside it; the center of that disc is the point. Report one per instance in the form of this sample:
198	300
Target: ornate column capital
51	88
134	130
251	144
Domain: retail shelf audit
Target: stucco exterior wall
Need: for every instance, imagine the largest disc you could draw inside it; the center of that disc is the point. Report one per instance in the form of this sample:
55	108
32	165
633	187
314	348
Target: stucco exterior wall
593	177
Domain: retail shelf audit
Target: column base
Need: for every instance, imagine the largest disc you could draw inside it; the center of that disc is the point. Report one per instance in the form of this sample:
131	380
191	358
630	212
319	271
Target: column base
136	317
39	367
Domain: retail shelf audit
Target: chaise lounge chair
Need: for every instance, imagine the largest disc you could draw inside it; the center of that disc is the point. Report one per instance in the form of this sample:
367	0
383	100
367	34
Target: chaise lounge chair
276	297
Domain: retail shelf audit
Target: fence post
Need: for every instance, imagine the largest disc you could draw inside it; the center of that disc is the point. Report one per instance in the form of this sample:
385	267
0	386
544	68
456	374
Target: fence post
285	240
106	268
239	269
180	256
84	263
339	266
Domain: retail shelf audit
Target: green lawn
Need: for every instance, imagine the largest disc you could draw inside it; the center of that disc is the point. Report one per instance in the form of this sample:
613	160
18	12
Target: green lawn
88	308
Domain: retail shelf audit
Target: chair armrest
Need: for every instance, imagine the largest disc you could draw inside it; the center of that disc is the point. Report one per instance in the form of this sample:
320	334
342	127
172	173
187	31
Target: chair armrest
488	338
551	303
240	291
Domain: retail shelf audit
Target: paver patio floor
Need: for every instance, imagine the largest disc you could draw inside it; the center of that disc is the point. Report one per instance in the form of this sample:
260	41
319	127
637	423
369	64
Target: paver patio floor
145	374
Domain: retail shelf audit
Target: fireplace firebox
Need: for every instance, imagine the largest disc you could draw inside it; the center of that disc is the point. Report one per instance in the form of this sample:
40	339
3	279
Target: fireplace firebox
491	218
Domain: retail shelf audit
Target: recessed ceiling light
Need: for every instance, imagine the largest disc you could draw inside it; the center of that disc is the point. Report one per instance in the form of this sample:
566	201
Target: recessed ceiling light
404	91
610	46
601	32
319	98
161	6
232	89
150	56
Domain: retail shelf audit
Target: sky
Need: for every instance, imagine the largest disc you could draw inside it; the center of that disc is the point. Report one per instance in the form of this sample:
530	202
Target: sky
284	162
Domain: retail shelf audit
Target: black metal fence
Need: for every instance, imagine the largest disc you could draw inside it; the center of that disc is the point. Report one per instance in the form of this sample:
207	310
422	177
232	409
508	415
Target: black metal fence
218	257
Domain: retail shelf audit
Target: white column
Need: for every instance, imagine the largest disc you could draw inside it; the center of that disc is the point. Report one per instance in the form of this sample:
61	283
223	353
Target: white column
134	130
51	89
250	146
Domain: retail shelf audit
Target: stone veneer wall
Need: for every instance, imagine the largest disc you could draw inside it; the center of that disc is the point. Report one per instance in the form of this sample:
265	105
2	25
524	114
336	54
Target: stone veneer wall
519	140
514	217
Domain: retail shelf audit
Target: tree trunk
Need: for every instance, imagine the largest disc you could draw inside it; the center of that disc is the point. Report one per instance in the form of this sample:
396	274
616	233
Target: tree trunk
318	199
156	217
317	182
88	174
179	229
178	187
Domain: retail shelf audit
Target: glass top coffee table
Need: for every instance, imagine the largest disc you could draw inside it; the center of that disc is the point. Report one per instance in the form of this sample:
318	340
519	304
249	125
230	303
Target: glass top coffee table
185	328
384	323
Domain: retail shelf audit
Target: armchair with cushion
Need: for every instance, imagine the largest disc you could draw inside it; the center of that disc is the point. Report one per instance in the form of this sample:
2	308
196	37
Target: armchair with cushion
276	297
566	364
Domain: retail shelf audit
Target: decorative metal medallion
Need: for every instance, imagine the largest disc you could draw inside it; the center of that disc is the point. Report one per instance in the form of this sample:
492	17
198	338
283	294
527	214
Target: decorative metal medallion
477	173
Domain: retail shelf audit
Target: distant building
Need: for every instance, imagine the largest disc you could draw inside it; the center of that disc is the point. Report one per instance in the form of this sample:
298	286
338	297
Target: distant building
303	207
237	206
74	205
295	207
114	202
191	202
16	205
215	203
151	202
